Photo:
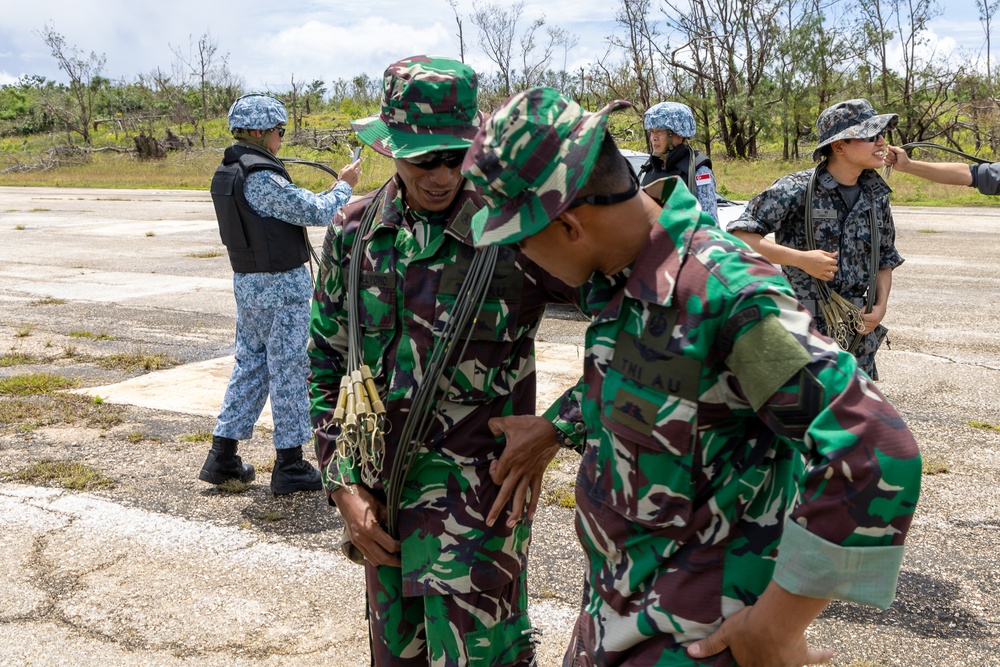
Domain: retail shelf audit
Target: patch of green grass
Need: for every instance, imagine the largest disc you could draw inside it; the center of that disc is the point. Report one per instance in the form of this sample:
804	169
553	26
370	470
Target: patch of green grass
150	233
134	361
18	359
48	301
271	517
233	486
929	231
197	436
135	437
33	384
28	413
984	425
205	254
89	334
24	331
65	474
39	210
931	466
69	350
20	228
564	496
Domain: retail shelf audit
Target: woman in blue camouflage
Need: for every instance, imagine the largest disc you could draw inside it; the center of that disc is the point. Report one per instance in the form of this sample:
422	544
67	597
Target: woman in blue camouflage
262	218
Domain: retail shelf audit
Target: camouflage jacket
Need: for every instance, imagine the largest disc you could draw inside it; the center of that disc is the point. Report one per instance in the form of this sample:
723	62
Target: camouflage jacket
781	209
412	269
705	388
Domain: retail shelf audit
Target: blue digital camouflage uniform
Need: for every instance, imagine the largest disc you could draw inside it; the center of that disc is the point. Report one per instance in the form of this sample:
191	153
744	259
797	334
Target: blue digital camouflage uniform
272	321
463	577
781	210
702	392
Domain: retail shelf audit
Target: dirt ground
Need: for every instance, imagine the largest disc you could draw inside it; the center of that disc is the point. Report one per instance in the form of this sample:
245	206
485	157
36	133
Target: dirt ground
161	569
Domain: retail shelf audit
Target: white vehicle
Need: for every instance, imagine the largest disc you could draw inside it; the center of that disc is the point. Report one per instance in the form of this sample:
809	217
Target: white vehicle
729	210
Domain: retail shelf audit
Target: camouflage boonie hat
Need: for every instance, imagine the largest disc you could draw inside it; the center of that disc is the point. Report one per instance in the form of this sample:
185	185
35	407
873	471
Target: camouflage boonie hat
256	112
853	119
530	159
429	103
672	116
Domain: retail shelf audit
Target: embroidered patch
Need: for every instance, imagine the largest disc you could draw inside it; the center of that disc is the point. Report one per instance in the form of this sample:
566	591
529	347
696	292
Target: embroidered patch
380	280
658	370
702	178
633	412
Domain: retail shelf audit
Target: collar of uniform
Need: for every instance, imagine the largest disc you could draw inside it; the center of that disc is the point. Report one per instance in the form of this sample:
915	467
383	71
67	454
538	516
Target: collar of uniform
869	180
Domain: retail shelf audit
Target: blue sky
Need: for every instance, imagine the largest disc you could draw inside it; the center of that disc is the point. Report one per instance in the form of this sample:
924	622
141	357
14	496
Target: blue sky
268	42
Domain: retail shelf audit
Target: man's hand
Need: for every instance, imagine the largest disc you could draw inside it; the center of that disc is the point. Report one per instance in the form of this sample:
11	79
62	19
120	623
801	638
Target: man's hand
531	445
351	173
770	633
818	263
362	513
896	158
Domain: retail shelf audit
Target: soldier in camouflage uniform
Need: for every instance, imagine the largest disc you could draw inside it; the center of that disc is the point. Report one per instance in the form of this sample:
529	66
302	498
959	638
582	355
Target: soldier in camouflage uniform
670	125
705	388
262	216
451	590
847	193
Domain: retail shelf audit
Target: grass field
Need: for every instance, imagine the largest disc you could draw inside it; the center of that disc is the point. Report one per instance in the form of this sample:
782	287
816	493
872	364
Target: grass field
737	179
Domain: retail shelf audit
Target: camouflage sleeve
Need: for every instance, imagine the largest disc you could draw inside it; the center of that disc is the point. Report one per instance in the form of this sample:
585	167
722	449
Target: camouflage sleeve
328	355
889	257
844	538
567	418
772	208
704	181
272	195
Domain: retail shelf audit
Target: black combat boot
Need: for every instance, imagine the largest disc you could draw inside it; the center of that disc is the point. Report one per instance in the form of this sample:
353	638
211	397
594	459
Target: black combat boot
222	463
292	474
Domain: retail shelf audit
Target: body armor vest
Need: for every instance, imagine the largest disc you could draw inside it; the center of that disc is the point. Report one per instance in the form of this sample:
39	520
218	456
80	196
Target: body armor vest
256	244
675	165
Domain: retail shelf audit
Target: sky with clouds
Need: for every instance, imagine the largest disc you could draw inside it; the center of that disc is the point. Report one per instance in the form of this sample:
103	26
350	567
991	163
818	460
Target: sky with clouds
269	42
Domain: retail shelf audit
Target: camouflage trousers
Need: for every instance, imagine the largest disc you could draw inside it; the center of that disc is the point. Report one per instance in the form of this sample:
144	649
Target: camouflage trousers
488	628
270	360
596	631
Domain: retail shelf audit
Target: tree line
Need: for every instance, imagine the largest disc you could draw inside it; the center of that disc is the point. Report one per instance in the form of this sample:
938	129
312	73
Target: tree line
755	72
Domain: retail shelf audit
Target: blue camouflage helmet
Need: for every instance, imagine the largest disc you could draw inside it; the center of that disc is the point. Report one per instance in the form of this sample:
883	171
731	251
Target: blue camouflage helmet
672	116
257	112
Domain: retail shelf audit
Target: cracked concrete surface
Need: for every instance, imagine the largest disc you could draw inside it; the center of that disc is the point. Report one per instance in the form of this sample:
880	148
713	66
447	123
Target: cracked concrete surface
164	570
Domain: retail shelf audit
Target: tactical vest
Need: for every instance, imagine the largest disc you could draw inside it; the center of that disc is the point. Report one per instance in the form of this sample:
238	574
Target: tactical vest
256	244
657	168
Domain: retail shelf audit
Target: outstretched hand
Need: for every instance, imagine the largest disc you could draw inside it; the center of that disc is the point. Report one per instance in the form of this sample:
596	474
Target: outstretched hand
531	445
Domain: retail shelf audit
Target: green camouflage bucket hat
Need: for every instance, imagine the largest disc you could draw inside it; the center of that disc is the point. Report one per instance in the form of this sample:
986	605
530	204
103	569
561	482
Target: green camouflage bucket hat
429	103
853	119
530	159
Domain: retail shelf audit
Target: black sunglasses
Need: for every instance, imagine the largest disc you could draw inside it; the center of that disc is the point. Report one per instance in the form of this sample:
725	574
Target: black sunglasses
608	200
279	130
428	161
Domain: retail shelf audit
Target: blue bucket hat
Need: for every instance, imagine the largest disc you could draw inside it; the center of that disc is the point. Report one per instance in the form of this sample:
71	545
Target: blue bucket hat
256	112
853	119
672	116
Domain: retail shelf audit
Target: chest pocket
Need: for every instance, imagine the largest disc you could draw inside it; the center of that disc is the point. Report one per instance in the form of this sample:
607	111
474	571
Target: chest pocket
649	402
487	366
